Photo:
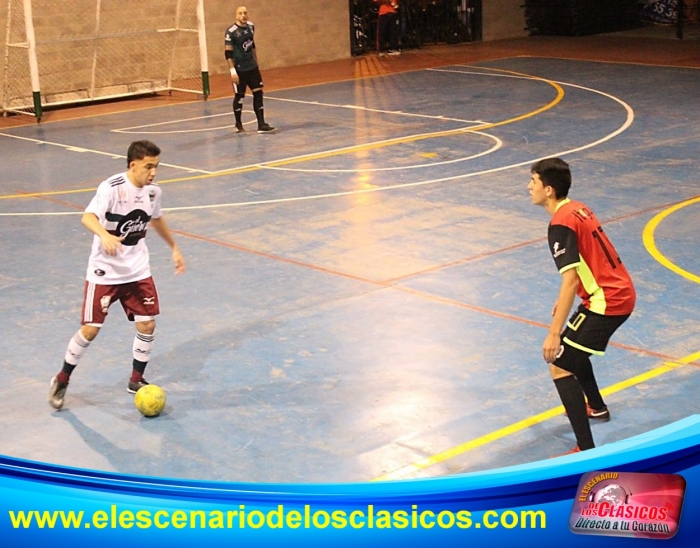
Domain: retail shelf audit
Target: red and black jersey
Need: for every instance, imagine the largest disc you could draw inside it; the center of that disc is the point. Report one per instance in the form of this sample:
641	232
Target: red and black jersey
577	240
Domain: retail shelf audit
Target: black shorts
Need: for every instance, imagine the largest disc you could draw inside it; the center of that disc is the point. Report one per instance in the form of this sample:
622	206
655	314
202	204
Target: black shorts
248	79
591	332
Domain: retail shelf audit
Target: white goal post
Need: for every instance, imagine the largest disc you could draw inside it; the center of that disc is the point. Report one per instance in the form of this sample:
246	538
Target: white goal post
60	52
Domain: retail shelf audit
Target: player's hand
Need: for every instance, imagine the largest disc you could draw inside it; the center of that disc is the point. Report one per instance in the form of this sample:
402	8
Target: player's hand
235	79
179	261
550	347
111	244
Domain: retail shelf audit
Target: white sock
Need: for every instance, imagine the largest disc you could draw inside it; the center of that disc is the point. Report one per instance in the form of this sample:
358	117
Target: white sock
143	345
76	348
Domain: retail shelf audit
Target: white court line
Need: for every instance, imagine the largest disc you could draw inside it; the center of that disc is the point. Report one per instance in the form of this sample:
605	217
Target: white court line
315	103
534	79
314	155
129	129
176	130
628	122
81	149
366	109
125	129
491	150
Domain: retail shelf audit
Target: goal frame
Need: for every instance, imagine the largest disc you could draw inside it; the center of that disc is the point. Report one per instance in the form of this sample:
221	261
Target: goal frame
34	103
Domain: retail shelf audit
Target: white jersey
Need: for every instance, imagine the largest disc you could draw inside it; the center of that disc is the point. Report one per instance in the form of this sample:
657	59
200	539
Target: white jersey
124	210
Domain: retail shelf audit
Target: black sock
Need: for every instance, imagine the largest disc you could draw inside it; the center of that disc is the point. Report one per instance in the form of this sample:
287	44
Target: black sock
139	368
65	373
575	405
586	378
259	108
238	111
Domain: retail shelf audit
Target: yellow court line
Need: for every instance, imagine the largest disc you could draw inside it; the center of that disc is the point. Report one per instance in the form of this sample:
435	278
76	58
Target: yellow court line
650	243
92	189
338	152
46	193
415	138
528	422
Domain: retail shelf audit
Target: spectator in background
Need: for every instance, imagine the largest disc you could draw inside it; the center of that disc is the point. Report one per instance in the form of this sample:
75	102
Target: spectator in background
388	27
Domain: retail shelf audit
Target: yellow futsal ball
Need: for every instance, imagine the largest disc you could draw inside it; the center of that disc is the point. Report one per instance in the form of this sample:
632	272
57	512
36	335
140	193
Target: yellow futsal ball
150	400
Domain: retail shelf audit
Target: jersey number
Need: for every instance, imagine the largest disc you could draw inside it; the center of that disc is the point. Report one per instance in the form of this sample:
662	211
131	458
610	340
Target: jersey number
598	236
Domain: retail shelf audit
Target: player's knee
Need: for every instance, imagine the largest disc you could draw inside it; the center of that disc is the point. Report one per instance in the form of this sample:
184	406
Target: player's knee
147	327
89	332
565	362
570	360
557	372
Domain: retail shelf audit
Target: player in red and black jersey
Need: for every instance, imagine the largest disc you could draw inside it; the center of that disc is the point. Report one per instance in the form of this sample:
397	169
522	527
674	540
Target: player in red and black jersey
590	267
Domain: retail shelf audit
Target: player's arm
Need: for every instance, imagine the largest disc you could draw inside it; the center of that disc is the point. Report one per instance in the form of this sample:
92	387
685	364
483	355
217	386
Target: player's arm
163	230
560	312
110	243
563	244
228	53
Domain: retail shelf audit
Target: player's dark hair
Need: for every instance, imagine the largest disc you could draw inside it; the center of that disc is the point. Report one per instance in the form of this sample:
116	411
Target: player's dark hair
138	150
554	172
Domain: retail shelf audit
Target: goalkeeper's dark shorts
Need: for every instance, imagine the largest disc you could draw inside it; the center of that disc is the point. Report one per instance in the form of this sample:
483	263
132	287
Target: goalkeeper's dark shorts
251	79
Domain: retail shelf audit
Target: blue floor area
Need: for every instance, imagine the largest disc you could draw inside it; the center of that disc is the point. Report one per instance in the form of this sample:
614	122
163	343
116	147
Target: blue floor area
367	288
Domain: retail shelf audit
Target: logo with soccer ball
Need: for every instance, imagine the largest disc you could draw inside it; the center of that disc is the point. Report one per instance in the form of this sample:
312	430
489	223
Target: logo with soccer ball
613	494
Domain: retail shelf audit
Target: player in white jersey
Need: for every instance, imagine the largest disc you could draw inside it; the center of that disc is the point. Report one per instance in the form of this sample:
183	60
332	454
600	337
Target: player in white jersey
119	214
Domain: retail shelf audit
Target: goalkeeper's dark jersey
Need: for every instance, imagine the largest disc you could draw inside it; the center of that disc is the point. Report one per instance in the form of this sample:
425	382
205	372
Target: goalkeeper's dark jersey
240	40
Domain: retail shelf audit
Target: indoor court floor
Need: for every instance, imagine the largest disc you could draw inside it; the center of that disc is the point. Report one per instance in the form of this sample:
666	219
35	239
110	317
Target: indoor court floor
369	287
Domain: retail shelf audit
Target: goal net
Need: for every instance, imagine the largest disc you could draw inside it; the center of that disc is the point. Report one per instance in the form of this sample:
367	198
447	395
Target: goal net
61	52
